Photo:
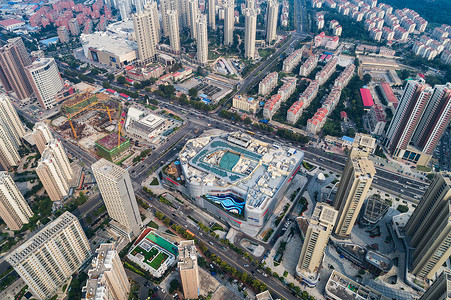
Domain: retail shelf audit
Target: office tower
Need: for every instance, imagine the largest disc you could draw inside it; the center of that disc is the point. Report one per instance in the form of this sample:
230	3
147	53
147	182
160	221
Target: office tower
45	79
440	288
12	73
10	118
11	130
272	12
63	34
174	32
316	231
188	268
117	192
202	40
54	170
48	259
250	32
22	50
14	210
212	14
229	10
106	277
251	4
193	7
147	27
429	228
354	184
435	120
74	28
41	135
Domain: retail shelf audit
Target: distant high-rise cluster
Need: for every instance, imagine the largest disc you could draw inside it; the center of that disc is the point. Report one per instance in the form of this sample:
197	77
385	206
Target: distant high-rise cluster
48	259
147	32
271	20
174	30
250	25
202	40
229	9
422	116
11	131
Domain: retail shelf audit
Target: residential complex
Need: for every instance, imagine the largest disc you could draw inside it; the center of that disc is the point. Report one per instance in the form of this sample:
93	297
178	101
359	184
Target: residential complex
315	123
225	175
286	90
14	210
429	228
54	170
268	83
292	60
193	15
326	71
117	192
309	65
188	269
48	259
295	111
106	277
316	231
440	288
45	80
212	14
420	120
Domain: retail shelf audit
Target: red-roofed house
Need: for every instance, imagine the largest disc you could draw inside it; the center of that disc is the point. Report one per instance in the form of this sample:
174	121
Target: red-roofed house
388	95
367	99
11	24
344	116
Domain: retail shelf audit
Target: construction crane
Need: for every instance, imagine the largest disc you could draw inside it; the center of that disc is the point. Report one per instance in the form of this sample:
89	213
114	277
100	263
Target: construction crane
311	46
120	123
69	118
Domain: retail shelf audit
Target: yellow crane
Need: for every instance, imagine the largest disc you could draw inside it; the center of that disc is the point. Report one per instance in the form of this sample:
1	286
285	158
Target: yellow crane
69	118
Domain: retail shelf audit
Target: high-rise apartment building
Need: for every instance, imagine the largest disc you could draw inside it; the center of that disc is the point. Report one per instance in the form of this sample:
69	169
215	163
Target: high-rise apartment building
54	170
429	228
48	259
250	22
74	28
11	131
272	12
45	79
316	231
420	120
41	135
354	184
440	288
107	279
13	59
202	40
188	269
212	14
63	34
174	31
9	116
14	210
193	8
25	56
229	10
117	192
147	32
435	120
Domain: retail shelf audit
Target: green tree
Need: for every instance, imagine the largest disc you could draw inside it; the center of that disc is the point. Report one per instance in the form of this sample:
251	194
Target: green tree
367	78
193	92
121	80
247	120
137	85
110	77
106	85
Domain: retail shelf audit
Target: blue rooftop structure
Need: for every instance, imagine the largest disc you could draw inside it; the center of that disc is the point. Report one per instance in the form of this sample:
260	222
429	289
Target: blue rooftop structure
347	139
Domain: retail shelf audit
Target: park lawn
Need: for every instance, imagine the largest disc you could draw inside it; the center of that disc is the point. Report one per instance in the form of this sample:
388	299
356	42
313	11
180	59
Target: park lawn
157	261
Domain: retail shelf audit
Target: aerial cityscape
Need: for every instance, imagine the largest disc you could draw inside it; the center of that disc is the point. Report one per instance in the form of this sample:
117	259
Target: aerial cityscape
225	149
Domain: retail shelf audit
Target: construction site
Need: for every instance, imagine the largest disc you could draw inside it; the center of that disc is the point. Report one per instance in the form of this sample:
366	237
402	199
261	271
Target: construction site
89	119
